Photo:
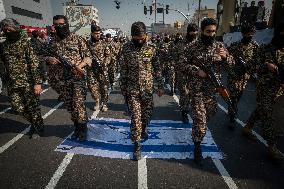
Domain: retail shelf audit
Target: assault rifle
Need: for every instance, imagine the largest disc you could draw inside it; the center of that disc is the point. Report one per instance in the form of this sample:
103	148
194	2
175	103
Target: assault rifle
241	65
68	66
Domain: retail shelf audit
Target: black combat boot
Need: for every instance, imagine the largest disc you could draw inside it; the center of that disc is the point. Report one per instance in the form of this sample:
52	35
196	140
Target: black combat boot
232	123
184	117
144	133
36	131
137	151
76	132
197	153
82	132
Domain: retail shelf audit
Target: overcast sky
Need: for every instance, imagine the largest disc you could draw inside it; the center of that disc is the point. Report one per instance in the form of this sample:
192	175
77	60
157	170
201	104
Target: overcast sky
132	10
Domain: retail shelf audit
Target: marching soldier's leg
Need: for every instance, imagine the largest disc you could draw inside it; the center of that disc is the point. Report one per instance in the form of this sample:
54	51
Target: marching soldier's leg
33	108
134	104
104	92
79	113
93	86
184	101
147	110
199	124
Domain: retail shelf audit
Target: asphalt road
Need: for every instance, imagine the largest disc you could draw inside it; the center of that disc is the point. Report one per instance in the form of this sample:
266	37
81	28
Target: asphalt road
26	163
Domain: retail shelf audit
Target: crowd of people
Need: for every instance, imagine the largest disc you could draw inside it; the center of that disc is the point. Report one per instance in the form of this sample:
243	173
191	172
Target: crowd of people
188	64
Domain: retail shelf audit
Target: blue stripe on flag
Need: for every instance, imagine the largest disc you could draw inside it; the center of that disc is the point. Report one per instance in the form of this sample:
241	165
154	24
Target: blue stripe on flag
129	148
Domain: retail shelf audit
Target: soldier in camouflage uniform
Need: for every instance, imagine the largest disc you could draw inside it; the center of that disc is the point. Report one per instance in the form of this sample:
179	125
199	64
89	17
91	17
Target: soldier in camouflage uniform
246	50
74	49
97	82
117	45
138	63
111	59
165	62
22	72
38	44
178	52
203	55
268	88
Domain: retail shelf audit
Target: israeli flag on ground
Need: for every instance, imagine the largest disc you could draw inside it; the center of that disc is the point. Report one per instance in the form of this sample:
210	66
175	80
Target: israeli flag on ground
167	139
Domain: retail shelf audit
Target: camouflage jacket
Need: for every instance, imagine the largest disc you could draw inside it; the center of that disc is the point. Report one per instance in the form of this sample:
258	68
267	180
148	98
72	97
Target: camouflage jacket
20	64
110	52
164	52
249	53
270	54
203	57
73	48
178	51
99	49
138	67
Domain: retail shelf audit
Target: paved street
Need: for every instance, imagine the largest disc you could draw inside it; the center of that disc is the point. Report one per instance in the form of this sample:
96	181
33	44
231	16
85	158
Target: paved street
26	163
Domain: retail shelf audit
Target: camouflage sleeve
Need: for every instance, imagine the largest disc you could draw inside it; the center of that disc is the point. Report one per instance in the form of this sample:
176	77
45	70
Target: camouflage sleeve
123	73
157	70
34	64
260	60
84	50
252	63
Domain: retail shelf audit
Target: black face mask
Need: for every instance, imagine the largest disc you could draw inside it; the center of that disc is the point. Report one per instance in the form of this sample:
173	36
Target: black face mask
166	40
191	38
13	36
137	43
94	40
207	40
62	31
247	40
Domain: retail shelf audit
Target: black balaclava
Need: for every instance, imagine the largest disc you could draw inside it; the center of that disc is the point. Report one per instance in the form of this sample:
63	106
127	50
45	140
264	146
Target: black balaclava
138	29
13	36
62	31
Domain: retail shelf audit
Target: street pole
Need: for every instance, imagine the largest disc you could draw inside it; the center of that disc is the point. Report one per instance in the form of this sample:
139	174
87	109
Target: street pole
199	4
155	11
163	16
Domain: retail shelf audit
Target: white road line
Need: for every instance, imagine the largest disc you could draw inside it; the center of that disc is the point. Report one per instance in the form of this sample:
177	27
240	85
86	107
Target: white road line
9	108
16	138
142	174
66	161
243	124
59	172
224	173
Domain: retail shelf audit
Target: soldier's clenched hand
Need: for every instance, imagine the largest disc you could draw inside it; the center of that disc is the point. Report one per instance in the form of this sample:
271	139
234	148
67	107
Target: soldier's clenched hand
37	89
272	67
221	52
52	60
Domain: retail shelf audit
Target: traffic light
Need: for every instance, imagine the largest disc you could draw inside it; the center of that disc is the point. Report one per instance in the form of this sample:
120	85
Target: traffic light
167	9
151	10
145	10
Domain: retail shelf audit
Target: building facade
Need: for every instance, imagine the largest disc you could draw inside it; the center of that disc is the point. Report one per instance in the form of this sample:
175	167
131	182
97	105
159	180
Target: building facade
81	17
34	13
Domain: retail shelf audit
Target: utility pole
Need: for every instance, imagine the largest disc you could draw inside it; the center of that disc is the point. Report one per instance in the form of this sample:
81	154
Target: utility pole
155	11
199	5
163	16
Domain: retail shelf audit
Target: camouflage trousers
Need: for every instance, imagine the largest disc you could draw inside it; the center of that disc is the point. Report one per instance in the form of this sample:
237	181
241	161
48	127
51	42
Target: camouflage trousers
184	91
265	98
111	72
56	78
203	108
98	86
236	88
170	74
27	104
74	97
141	108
